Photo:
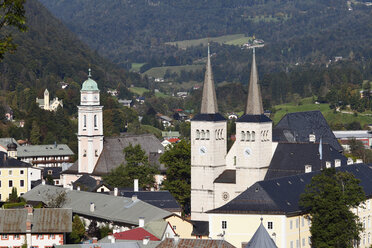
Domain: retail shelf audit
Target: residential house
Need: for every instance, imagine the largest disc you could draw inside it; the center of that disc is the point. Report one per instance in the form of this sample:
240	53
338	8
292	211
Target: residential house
53	173
276	201
126	103
41	227
120	213
45	155
344	137
165	120
15	174
170	134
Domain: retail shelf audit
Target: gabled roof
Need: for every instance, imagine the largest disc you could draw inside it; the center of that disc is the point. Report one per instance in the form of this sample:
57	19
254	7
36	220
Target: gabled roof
43	150
112	154
281	195
209	99
192	243
110	208
296	127
161	199
138	233
261	239
44	220
227	176
291	158
86	183
8	162
157	228
209	117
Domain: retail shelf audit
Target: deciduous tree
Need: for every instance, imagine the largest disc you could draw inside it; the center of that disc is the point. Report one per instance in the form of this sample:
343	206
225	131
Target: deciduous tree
329	198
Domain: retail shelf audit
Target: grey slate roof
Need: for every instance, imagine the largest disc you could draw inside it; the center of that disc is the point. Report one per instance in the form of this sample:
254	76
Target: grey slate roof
227	176
200	228
281	195
7	162
161	199
5	141
44	220
261	239
56	171
254	100
195	243
209	99
253	118
296	127
43	150
107	207
291	158
208	117
106	243
86	183
112	154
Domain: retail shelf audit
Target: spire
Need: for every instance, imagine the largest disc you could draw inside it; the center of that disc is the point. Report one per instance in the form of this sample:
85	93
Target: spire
254	101
209	100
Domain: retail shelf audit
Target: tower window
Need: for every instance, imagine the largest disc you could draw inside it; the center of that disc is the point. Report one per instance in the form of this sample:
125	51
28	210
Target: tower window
207	135
202	135
197	134
85	121
224	224
216	134
85	153
253	136
221	134
234	160
96	153
248	136
95	120
270	225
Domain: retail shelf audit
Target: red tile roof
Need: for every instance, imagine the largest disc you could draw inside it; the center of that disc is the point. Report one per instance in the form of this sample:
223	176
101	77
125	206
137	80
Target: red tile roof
173	140
135	234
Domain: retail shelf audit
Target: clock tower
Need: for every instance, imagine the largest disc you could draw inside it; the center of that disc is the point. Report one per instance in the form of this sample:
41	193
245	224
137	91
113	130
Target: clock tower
208	148
253	146
90	131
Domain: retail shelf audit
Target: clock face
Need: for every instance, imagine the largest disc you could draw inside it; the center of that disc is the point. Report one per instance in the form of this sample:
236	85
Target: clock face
247	152
95	98
84	98
225	196
202	150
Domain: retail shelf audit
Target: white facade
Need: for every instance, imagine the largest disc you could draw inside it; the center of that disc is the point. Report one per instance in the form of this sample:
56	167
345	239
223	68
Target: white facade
90	131
33	240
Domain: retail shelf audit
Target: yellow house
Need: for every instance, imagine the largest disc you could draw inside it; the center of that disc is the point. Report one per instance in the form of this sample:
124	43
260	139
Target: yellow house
276	202
187	229
17	174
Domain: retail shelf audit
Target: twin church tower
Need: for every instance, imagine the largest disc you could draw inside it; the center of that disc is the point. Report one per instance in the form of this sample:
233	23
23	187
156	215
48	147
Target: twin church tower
218	176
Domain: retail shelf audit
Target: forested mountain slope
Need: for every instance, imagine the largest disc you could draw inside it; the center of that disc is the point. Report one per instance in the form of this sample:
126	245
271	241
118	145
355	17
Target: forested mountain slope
48	53
294	30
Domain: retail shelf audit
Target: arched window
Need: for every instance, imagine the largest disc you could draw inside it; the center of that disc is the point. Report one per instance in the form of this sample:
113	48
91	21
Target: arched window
253	136
222	134
95	120
85	121
242	136
202	135
262	136
216	134
197	134
248	136
267	135
234	160
207	135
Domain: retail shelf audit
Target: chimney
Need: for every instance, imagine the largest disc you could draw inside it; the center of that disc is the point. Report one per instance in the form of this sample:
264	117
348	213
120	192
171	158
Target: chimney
94	240
92	207
307	168
176	239
112	238
312	138
328	164
337	162
141	222
116	191
134	198
146	240
350	161
135	189
78	188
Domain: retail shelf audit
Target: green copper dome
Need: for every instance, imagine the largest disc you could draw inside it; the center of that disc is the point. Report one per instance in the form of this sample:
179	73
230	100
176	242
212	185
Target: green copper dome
90	85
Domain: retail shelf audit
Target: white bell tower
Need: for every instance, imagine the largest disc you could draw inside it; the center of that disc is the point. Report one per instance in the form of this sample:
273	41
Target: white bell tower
90	131
208	149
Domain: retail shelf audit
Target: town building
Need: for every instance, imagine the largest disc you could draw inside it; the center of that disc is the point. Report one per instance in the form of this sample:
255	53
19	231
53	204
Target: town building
41	227
259	151
16	174
46	104
276	201
344	137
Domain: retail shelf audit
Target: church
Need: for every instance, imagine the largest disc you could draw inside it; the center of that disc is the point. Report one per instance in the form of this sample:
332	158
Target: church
260	151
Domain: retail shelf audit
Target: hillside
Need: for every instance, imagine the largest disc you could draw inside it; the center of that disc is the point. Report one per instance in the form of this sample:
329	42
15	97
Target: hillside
294	31
48	53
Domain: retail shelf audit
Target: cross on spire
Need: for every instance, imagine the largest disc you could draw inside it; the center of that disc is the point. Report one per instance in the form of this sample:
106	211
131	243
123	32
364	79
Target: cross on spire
89	73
